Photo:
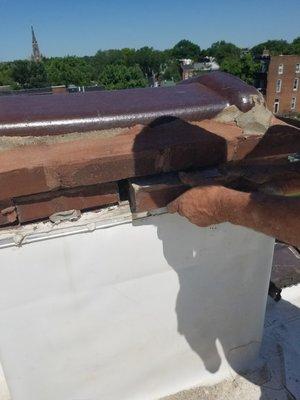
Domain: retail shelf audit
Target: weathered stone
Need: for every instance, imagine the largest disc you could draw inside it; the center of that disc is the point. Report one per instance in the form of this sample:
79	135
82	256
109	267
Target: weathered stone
256	120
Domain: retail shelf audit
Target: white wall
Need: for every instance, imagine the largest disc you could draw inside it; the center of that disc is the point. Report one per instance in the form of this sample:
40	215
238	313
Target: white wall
134	311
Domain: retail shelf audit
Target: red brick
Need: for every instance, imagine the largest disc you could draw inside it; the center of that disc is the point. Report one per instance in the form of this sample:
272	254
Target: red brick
8	216
278	140
151	193
275	175
40	206
139	151
287	77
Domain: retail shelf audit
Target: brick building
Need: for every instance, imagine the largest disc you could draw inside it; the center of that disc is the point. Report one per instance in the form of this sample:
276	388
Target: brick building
283	85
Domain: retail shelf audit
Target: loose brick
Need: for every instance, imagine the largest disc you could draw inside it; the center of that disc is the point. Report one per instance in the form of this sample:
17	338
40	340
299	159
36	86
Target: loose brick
140	151
8	213
278	140
41	206
280	177
155	192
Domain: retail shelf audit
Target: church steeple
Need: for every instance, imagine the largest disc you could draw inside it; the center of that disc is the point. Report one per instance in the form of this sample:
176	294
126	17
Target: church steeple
36	55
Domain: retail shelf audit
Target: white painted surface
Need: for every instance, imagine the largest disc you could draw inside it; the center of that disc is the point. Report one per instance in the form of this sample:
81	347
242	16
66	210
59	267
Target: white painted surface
134	311
4	392
277	376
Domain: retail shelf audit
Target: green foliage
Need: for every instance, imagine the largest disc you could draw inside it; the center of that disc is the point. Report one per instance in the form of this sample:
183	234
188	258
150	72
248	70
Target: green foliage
103	58
118	76
29	74
249	68
127	67
68	70
295	46
222	50
186	49
171	72
149	60
232	65
244	67
275	47
6	74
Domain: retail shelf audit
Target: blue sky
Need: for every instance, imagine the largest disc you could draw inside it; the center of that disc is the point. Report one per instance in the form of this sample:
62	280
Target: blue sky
82	27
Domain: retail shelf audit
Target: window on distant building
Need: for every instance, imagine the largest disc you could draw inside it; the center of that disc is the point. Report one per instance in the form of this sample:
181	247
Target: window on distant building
293	105
296	84
278	85
280	69
297	67
276	106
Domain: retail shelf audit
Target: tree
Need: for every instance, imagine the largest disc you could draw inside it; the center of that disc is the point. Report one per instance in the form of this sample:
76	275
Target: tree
244	67
103	58
232	65
171	72
295	46
6	74
128	56
221	50
121	77
69	70
149	60
275	47
29	74
38	75
20	72
249	68
186	49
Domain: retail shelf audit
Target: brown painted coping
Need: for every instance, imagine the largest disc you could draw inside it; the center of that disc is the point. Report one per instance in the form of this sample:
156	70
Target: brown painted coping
191	100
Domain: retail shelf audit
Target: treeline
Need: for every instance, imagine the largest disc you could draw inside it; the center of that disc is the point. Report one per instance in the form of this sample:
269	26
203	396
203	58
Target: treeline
128	68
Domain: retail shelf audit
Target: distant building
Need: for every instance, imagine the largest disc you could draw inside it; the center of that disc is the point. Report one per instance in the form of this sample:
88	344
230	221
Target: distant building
190	68
245	50
58	89
5	89
279	81
261	77
283	85
36	54
167	83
